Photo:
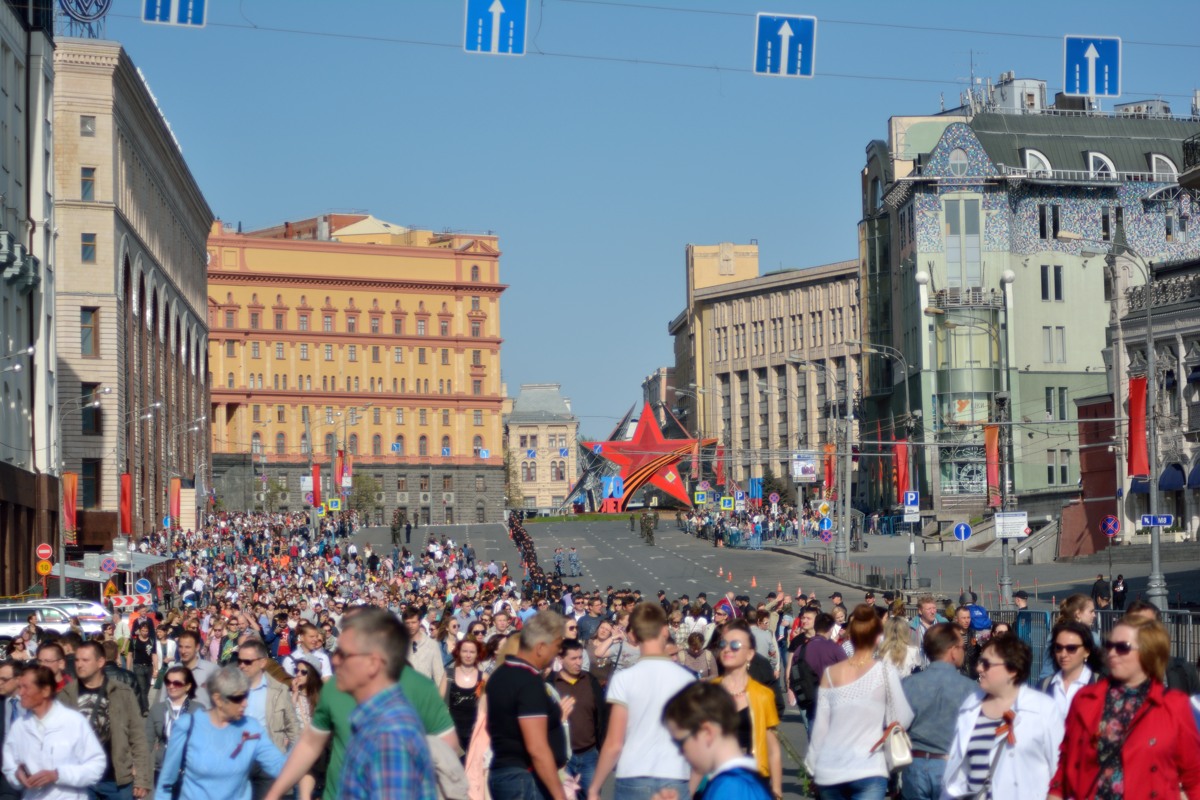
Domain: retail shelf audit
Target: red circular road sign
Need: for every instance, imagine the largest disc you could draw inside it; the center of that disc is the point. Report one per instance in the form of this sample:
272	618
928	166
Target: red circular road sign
44	551
1110	526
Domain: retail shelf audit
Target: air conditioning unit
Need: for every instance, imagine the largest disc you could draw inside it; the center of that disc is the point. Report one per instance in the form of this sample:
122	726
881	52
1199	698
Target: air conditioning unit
448	497
260	497
425	498
379	497
402	498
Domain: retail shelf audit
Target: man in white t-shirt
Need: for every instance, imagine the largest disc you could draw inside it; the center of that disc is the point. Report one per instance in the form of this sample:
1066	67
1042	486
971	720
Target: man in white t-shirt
637	743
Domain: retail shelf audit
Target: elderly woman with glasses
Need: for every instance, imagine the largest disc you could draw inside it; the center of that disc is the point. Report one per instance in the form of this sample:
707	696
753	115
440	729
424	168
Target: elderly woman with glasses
1007	733
1126	735
758	719
179	699
213	754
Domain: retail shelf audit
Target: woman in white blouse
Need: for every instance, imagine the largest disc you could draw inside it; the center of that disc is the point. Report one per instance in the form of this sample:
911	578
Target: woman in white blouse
856	699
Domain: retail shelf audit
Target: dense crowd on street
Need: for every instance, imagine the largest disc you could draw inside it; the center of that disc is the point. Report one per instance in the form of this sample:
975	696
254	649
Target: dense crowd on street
285	661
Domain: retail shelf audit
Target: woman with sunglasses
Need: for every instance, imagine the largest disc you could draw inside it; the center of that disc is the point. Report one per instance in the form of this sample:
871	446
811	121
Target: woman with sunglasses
758	719
212	754
180	699
1127	736
1007	733
1073	651
447	638
306	693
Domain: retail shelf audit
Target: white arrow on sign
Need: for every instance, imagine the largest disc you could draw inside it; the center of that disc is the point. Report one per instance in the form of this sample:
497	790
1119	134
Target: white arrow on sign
785	39
1091	55
497	11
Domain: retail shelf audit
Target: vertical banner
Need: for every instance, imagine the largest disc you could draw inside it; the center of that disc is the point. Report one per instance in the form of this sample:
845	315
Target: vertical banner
696	460
316	479
125	524
830	472
348	470
69	488
337	471
991	450
173	498
719	468
900	454
1139	462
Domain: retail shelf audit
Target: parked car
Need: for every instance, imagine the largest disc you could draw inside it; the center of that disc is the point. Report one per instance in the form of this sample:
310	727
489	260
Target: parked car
86	610
14	618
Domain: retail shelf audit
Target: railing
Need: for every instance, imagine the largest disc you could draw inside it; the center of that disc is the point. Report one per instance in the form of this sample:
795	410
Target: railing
1167	291
1193	417
968	298
1191	152
1085	175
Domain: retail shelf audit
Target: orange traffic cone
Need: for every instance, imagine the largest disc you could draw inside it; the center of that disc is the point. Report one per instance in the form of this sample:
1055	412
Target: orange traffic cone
720	572
753	582
729	576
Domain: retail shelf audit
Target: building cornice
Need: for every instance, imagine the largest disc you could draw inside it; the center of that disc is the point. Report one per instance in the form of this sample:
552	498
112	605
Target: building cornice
219	276
248	242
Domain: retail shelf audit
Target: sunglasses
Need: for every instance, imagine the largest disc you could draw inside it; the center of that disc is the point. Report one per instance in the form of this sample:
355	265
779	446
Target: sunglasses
1121	648
682	740
245	662
987	664
238	698
725	644
302	673
176	684
1067	648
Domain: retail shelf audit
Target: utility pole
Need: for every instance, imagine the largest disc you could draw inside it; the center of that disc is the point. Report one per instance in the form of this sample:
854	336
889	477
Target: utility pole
312	507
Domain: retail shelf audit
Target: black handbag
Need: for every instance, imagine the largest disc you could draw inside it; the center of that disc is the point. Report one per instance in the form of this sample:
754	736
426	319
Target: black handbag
177	787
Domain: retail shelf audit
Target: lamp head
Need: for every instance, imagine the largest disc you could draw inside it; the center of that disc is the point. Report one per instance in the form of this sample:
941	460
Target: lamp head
922	278
1007	277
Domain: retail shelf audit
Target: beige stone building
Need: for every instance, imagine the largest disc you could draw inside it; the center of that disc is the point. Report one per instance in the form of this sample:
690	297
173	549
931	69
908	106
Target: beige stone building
541	434
132	225
765	363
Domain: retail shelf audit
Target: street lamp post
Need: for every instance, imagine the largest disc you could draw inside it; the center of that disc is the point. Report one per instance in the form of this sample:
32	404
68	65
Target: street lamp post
73	406
1156	589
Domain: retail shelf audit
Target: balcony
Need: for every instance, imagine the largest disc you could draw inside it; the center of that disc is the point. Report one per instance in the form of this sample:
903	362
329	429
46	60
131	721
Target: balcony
1167	291
968	298
1190	177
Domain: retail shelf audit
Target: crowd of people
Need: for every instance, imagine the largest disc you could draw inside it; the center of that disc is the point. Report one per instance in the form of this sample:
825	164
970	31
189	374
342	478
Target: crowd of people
287	662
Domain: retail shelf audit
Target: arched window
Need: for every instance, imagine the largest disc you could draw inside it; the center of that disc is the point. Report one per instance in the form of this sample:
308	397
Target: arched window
256	443
324	383
280	444
475	273
477	445
229	381
400	441
377	445
356	384
329	444
441	387
1163	168
1037	163
423	446
304	448
959	163
1101	166
276	382
372	384
445	444
354	444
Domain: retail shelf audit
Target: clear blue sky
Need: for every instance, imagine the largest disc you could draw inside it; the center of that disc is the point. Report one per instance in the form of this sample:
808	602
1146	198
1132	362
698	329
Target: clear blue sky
632	128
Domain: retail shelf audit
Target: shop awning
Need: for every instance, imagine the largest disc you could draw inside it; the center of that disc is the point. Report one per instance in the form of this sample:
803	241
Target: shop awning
1172	478
1194	477
1139	486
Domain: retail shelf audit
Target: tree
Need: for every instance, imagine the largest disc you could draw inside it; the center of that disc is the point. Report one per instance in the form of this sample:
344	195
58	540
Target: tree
513	496
774	484
272	491
363	489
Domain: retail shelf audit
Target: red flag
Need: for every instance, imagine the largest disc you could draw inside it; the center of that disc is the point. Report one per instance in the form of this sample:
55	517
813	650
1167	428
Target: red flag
900	449
991	450
126	507
337	472
176	485
696	461
1139	462
719	469
830	449
729	608
316	479
70	489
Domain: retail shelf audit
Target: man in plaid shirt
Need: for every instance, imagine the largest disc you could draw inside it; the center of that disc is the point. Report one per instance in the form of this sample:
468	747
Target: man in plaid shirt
390	757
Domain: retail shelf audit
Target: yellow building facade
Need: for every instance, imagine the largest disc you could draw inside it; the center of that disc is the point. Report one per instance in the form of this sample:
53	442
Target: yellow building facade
347	332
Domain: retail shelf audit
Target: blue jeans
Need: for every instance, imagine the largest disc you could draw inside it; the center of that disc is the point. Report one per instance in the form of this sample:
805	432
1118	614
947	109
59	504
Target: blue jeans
861	789
923	779
515	783
646	788
109	790
583	766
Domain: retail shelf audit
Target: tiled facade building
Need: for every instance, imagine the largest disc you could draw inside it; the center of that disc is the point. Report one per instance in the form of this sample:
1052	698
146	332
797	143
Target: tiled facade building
370	338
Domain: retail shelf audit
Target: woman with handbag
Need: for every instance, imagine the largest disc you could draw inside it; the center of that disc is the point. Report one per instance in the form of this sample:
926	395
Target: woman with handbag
861	709
179	699
1007	733
758	719
1127	736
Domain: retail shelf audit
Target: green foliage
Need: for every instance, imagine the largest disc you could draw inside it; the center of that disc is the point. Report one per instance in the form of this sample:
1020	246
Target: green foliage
363	489
774	484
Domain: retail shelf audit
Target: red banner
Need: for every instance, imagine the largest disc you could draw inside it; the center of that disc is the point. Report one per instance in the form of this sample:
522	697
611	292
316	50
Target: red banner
1139	462
126	508
830	472
900	453
70	489
173	498
991	451
316	479
719	467
337	472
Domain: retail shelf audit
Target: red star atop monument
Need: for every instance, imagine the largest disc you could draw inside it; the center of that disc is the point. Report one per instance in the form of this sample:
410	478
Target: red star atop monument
648	458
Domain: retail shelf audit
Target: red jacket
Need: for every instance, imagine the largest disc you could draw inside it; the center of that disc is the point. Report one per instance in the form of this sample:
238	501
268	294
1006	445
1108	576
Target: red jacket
1161	753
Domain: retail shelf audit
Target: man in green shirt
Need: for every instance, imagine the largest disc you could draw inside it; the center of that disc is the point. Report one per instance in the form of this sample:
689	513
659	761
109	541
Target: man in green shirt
332	718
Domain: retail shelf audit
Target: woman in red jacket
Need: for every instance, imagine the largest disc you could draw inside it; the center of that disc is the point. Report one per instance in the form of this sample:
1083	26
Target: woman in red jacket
1127	736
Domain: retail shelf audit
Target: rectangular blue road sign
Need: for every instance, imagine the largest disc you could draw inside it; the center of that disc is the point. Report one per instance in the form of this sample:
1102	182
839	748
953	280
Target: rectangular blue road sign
496	27
1092	66
785	46
188	13
1160	520
912	499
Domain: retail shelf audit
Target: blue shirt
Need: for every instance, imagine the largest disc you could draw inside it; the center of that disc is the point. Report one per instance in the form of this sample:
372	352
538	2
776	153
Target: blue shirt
935	695
389	757
213	769
256	701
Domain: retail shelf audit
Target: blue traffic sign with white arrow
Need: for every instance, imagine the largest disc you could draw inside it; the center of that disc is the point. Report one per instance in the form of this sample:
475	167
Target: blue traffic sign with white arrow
785	46
825	524
496	27
962	531
1092	66
1158	520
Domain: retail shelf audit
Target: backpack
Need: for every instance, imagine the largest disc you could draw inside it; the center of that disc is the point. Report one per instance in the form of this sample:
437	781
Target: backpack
803	680
980	619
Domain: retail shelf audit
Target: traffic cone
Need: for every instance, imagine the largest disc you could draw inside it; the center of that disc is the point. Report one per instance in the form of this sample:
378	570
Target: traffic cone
720	572
729	576
753	581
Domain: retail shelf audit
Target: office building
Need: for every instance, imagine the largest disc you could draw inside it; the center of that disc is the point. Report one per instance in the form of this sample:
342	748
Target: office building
541	434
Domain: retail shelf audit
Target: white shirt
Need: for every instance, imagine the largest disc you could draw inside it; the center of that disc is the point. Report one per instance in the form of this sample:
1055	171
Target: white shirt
644	689
1064	695
61	740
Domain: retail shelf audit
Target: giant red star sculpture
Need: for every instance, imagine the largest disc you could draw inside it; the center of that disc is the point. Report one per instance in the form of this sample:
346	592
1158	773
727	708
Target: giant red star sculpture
649	458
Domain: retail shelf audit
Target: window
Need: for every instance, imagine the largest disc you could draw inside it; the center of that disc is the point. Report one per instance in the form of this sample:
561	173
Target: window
400	452
1062	403
422	419
480	483
90	414
303	351
475	303
447	483
524	441
1048	219
477	418
329	441
87	248
87	183
475	273
253	320
445	356
280	444
401	480
230	319
230	349
445	445
229	381
279	322
89	483
327	323
398	326
280	413
398	355
302	322
1060	342
1101	166
375	353
533	441
1047	345
351	324
476	329
354	416
352	352
1064	467
377	416
420	327
477	388
279	350
399	416
1052	282
424	483
423	447
377	445
256	443
375	323
958	167
445	417
87	125
256	413
1049	402
1051	466
477	358
329	352
352	445
89	332
1037	163
964	267
254	352
1163	168
304	448
1110	217
476	445
420	355
1175	227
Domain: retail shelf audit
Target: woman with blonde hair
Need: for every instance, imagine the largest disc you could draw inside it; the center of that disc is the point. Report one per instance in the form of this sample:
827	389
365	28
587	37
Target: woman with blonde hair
897	648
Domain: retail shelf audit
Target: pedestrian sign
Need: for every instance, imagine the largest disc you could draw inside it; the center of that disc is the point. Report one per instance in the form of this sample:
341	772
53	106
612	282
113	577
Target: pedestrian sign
445	452
395	447
1158	520
727	503
485	453
701	498
785	46
496	27
321	510
335	505
563	452
1092	66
